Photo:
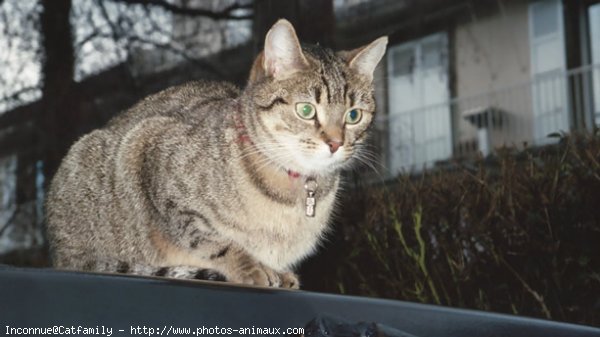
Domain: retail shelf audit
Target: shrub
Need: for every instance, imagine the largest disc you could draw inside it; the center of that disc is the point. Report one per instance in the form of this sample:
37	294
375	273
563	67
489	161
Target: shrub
518	233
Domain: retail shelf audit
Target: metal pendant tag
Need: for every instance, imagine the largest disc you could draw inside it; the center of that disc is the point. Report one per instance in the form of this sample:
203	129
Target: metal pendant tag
311	202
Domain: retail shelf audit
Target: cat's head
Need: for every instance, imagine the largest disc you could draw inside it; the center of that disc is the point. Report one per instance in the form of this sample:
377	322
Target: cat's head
312	106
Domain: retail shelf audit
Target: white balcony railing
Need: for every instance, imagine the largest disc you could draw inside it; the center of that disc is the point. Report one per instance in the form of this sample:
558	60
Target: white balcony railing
523	113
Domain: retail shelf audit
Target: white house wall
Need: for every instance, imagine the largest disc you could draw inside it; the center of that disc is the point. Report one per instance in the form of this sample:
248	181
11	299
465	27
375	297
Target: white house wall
492	53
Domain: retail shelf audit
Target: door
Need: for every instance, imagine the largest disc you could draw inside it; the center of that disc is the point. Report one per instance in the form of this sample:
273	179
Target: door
549	88
418	103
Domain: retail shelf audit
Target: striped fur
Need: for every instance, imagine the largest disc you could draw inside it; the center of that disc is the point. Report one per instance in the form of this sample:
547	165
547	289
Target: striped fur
182	272
205	180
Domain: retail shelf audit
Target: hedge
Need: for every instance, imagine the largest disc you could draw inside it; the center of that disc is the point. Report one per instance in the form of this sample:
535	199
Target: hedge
517	232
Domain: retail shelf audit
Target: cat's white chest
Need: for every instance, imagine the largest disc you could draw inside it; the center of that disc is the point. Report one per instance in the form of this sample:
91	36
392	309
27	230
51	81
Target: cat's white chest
300	238
287	233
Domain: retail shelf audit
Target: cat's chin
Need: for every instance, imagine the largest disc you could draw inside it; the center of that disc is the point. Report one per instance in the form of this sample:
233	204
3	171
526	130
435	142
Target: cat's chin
316	165
315	171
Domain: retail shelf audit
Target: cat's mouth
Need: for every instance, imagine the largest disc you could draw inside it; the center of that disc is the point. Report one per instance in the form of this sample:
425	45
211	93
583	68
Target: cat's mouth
313	165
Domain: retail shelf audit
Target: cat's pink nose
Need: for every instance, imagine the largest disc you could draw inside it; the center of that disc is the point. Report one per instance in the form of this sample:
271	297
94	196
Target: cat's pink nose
333	145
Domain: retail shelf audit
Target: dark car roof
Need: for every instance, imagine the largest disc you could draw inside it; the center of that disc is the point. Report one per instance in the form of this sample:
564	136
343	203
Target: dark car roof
47	298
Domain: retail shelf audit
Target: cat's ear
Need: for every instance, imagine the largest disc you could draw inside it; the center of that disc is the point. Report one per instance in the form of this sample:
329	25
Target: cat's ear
364	59
282	55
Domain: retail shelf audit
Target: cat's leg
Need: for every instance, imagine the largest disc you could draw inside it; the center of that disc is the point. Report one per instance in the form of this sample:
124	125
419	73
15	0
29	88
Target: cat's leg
181	272
86	262
230	260
192	238
141	269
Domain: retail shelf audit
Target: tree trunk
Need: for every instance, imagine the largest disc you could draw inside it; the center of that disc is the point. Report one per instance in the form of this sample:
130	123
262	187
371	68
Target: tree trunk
58	121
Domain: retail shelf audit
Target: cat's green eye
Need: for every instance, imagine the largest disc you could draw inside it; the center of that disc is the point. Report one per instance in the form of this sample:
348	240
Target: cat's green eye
353	116
305	110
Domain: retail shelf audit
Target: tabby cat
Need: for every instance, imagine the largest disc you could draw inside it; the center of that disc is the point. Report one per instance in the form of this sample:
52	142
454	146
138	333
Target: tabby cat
207	181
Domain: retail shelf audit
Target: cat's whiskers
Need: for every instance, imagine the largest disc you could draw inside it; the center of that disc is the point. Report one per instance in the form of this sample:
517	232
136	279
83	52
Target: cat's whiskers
360	154
367	159
372	156
262	148
257	150
273	150
267	161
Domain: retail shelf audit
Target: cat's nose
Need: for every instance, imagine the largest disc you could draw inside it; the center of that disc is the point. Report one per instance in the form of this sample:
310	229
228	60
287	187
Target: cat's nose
334	145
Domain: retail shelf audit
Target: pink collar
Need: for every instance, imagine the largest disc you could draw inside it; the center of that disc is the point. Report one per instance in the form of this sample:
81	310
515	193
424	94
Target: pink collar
293	174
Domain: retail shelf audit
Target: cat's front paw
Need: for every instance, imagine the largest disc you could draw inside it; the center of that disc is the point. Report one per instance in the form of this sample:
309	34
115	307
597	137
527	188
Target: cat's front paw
289	280
261	275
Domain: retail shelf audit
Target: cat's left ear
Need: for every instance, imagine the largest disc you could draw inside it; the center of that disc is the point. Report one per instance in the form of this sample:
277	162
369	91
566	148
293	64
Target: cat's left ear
282	54
364	59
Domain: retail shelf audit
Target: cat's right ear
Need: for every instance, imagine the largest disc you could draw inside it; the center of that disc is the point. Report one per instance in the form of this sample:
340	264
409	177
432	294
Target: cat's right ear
282	56
364	59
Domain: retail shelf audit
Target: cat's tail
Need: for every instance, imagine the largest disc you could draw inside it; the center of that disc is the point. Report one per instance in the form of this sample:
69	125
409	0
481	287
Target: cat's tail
180	272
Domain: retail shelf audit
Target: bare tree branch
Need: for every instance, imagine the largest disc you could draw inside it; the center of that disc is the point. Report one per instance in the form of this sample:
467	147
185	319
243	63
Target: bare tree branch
206	65
225	14
170	48
117	32
10	220
86	39
16	96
